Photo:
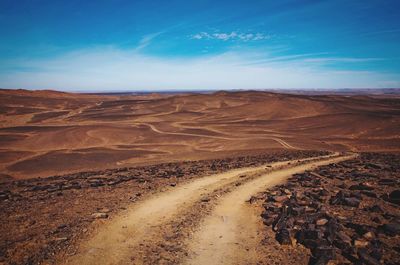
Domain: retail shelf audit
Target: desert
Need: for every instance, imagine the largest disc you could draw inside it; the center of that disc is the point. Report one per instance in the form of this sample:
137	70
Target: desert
49	133
260	177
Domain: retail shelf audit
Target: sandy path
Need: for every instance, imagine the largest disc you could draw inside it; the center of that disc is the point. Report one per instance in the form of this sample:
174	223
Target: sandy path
116	241
113	243
230	235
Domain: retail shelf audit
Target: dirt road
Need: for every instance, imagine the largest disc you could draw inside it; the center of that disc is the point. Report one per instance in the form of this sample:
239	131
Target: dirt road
230	235
278	140
221	237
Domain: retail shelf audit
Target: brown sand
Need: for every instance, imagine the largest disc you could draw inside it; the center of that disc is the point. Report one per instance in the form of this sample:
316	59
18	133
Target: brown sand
45	133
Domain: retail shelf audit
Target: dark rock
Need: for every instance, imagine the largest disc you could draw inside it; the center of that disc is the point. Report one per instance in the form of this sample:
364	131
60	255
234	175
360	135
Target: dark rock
96	184
283	237
365	258
394	197
352	202
359	228
376	220
312	244
391	229
308	234
387	182
361	187
269	215
376	253
343	242
375	209
268	221
322	255
297	211
369	194
374	166
338	198
323	192
356	194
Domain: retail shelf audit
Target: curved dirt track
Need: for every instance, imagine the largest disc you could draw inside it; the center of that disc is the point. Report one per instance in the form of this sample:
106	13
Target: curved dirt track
231	234
280	141
119	241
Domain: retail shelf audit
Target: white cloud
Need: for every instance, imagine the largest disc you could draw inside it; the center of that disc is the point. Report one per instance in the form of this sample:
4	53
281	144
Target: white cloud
108	68
341	60
231	36
146	40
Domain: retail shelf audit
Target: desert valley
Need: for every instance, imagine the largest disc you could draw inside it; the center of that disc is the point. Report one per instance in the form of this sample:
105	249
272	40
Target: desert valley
47	133
245	177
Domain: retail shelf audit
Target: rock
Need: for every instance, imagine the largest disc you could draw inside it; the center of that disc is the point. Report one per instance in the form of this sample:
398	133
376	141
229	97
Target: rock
323	254
303	203
359	243
369	193
95	183
376	220
394	197
205	199
387	182
60	227
352	202
283	237
321	222
360	187
375	209
299	222
287	192
60	239
369	235
280	198
365	258
100	215
268	221
308	234
343	242
391	229
359	228
374	166
297	211
338	198
343	237
104	210
172	184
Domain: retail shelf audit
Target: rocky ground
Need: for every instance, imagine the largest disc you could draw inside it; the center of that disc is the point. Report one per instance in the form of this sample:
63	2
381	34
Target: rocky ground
344	213
42	217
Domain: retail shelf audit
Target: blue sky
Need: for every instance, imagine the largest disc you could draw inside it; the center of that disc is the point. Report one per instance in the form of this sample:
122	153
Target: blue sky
162	45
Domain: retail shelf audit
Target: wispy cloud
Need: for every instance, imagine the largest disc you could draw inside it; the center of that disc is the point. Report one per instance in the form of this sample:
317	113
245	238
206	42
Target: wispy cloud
146	40
115	69
232	36
381	32
341	60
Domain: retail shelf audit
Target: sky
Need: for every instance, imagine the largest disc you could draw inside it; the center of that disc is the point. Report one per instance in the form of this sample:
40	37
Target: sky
120	45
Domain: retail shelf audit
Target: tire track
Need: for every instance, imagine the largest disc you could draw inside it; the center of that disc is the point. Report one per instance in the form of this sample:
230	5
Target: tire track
231	234
116	241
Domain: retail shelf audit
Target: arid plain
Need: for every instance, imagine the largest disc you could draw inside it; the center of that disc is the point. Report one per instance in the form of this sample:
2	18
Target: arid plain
47	133
199	178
